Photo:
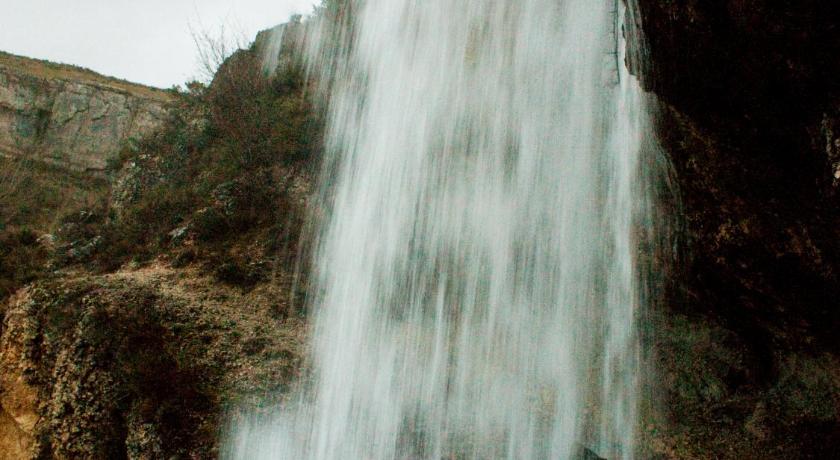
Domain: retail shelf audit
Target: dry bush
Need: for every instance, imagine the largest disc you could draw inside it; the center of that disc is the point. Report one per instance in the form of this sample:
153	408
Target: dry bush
214	48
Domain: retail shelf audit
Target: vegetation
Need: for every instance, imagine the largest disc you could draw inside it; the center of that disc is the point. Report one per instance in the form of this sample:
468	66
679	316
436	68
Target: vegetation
32	196
22	259
35	194
220	172
219	184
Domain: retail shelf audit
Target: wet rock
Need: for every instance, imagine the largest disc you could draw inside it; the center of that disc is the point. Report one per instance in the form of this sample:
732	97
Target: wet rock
749	101
584	453
828	138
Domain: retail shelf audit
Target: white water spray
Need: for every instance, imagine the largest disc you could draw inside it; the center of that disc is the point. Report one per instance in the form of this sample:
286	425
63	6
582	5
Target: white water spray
477	287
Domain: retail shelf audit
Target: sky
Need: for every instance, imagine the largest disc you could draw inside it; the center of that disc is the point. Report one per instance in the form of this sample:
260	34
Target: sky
145	41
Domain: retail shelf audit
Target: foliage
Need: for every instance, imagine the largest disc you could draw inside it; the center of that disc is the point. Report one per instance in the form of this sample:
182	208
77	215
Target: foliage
22	259
218	170
261	120
32	193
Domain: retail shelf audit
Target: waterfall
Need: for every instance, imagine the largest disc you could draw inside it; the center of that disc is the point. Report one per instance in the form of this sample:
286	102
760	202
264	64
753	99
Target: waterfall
478	284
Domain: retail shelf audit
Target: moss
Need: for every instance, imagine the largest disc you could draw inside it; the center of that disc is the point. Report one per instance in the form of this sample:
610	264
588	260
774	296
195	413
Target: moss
808	388
219	174
702	361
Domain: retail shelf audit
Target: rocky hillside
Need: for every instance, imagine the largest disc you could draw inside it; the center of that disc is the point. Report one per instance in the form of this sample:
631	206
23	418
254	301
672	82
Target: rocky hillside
71	117
155	310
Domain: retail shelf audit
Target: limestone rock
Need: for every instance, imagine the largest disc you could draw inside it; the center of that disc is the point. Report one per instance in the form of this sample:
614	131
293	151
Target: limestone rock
71	117
140	364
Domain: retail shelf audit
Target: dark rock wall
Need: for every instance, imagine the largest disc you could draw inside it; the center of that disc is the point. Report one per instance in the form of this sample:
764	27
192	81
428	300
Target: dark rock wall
748	64
750	92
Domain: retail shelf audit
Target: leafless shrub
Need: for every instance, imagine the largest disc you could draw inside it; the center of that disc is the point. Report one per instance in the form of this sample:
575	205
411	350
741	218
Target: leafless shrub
214	47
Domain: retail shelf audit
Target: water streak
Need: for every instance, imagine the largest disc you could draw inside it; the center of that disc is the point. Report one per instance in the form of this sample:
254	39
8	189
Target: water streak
478	286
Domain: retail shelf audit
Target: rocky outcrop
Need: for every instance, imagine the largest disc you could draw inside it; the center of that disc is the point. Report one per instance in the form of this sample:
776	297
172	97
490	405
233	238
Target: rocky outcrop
140	364
71	117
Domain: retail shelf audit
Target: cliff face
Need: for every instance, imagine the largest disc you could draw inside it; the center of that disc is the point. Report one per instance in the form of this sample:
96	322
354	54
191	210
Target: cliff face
749	118
71	117
139	364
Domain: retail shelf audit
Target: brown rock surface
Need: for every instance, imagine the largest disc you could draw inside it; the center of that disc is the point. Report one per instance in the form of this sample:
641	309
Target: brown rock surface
137	364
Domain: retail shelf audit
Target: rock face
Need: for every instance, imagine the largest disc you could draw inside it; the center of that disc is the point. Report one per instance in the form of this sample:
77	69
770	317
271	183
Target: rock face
749	117
71	117
137	365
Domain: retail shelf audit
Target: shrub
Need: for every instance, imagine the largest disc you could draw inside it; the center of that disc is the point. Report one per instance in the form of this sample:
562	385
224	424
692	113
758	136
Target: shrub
22	259
216	169
237	273
210	224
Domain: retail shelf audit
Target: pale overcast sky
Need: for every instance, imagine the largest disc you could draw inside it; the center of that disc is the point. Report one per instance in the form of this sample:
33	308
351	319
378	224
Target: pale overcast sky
146	41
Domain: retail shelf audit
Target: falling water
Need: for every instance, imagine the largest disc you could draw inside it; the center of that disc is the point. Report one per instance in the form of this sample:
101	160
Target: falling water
478	289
